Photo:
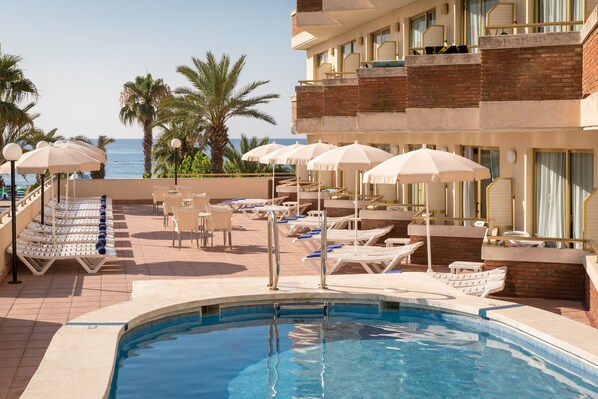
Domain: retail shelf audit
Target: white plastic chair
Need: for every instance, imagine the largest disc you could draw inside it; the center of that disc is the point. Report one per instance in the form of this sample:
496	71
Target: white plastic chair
184	219
220	219
170	201
158	194
201	202
185	191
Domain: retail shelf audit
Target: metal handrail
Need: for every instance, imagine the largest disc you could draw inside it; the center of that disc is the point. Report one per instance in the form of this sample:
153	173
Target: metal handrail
273	251
532	25
536	239
323	250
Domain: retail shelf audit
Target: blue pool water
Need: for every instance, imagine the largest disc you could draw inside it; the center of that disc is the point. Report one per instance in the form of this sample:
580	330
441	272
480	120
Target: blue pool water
357	351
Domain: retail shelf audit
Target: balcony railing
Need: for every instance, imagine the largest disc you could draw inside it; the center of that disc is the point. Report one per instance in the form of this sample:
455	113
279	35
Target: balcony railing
501	29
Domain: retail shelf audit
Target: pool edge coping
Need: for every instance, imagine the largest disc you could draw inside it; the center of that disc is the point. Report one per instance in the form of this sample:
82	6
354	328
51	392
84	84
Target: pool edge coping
79	361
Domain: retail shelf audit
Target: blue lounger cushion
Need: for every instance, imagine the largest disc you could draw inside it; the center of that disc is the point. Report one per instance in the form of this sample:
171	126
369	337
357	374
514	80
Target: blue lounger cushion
394	271
102	250
302	236
283	221
333	246
315	254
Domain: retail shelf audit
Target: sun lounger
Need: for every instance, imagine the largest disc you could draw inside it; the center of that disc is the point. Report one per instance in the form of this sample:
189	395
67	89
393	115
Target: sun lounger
72	222
364	237
314	222
249	203
481	284
43	228
39	257
373	259
282	211
48	238
77	214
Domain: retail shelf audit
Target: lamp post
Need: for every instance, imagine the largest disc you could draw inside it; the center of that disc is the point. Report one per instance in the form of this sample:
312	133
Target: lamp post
12	152
175	144
42	144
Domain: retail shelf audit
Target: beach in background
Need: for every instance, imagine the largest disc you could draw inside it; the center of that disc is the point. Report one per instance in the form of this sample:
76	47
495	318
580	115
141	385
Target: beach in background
125	159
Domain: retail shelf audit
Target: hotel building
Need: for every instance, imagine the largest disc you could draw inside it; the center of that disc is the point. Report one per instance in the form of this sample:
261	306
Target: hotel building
512	85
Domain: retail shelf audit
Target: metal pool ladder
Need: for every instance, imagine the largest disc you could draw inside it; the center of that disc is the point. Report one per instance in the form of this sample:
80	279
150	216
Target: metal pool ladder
273	251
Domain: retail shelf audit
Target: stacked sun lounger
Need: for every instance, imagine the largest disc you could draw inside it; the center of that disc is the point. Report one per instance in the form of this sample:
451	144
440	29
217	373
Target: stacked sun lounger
481	283
91	243
301	223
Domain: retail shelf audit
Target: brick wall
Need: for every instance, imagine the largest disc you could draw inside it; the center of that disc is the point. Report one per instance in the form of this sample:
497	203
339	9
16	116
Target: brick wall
592	301
313	204
531	74
336	212
310	102
446	250
398	231
542	280
443	86
590	64
309	5
383	94
340	100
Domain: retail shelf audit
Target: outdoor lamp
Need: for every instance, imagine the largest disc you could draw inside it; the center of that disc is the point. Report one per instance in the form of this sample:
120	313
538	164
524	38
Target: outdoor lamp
12	152
39	145
175	144
511	156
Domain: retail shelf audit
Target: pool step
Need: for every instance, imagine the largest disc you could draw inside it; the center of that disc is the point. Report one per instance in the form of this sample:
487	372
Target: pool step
318	309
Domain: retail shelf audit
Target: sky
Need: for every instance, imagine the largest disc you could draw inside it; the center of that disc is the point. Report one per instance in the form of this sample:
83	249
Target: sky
79	53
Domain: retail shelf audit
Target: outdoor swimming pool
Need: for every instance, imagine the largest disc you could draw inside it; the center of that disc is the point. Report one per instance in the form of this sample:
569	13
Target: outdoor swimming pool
341	350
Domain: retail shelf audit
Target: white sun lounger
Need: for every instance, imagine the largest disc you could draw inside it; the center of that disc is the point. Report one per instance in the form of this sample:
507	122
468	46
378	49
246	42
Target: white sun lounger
373	259
81	204
314	222
481	284
345	236
73	222
39	257
77	214
48	238
281	211
43	228
238	205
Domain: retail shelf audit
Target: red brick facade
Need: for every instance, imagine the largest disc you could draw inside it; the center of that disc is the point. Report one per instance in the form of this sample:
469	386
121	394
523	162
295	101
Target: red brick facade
532	74
446	250
382	94
590	64
336	212
542	280
398	231
444	86
340	100
309	5
310	102
592	301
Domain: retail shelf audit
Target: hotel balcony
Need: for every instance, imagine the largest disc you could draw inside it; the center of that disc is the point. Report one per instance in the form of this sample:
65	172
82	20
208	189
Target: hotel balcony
534	81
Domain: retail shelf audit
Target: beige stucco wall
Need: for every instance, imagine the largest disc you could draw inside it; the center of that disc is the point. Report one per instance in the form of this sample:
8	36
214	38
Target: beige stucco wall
141	189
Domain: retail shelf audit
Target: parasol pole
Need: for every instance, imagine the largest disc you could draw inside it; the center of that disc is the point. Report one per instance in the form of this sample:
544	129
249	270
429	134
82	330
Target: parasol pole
428	230
273	182
356	183
53	211
319	192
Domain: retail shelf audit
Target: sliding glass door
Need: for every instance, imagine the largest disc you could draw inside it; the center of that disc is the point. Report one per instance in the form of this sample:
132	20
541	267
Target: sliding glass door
563	179
475	19
473	195
559	11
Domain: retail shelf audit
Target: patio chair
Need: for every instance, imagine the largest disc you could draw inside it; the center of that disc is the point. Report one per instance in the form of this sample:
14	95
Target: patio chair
184	219
171	200
158	194
185	191
201	201
39	257
220	219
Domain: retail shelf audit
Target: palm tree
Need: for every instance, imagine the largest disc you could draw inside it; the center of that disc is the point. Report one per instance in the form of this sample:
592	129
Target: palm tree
139	101
233	156
192	142
14	89
103	141
214	98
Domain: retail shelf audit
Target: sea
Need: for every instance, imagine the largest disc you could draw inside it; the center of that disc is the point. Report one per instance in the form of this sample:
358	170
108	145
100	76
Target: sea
125	159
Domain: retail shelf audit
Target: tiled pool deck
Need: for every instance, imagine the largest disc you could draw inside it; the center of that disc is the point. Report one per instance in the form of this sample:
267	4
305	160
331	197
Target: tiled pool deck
33	311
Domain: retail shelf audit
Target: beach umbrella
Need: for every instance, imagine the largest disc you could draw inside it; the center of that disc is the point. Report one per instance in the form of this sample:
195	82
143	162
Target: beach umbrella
426	166
85	148
302	155
54	160
255	154
276	158
353	157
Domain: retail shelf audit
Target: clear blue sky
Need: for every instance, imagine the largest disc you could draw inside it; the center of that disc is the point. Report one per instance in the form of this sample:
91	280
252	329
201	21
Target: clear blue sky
80	52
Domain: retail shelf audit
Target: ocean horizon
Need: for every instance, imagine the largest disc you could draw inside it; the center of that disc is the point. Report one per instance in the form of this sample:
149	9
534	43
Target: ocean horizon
125	159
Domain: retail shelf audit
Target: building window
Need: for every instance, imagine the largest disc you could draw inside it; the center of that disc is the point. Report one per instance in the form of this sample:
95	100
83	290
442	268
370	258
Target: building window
416	191
378	38
475	19
321	58
563	179
345	50
559	11
473	194
417	27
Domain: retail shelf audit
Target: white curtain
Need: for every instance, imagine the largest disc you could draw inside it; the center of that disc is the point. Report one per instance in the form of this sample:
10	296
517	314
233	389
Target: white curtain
552	11
582	183
418	26
550	194
577	12
473	21
469	189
